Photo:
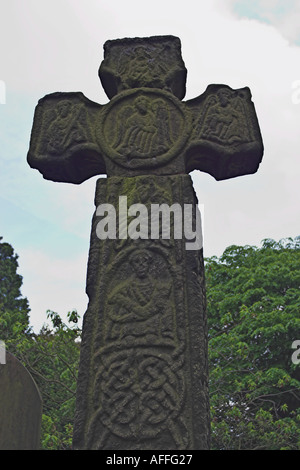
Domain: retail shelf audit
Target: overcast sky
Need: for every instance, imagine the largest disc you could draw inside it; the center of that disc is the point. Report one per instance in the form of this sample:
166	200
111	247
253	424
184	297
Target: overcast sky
57	45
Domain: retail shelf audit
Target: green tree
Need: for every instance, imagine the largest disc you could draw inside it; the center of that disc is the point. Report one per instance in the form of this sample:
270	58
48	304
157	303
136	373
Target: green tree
253	300
14	309
52	358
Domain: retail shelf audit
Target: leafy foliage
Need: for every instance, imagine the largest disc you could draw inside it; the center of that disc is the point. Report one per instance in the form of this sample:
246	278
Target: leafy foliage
14	309
51	356
253	298
52	359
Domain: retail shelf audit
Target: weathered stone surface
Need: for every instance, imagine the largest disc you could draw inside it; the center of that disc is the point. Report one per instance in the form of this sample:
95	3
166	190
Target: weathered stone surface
143	373
145	129
143	370
20	407
225	140
63	144
153	62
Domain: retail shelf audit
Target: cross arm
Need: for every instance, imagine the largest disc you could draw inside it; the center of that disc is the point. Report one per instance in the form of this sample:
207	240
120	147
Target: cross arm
225	141
63	144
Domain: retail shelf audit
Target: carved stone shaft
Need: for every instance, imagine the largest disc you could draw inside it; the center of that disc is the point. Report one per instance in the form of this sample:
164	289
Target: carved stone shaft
143	374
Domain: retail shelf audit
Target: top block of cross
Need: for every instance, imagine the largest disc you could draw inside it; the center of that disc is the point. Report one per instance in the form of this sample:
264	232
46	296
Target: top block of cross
146	128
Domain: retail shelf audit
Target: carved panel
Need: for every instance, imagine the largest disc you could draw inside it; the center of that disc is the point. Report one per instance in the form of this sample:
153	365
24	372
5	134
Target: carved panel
63	145
143	128
154	62
225	140
224	118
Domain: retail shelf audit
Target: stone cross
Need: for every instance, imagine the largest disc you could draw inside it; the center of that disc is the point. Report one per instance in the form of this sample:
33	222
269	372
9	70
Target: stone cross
143	379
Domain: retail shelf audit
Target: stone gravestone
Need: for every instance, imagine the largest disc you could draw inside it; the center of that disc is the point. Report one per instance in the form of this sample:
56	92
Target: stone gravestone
20	407
143	378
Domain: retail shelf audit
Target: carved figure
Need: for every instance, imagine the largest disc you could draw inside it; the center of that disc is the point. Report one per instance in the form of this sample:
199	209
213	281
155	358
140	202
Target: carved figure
139	306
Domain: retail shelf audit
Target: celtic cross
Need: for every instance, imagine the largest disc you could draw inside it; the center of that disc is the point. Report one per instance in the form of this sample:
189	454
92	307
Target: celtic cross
142	380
